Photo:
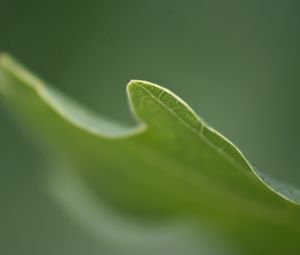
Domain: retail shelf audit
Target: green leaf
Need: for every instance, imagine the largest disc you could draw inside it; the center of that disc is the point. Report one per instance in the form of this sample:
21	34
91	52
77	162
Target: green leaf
172	167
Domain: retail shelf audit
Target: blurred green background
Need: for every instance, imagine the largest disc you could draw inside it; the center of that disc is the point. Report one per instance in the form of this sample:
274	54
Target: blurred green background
235	62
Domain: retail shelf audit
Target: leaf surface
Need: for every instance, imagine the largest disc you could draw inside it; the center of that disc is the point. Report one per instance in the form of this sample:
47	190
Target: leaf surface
171	167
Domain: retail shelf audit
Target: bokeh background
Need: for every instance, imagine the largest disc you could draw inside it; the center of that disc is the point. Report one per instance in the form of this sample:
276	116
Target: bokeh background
235	62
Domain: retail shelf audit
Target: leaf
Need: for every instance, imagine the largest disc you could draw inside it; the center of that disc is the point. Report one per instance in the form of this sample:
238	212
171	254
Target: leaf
172	167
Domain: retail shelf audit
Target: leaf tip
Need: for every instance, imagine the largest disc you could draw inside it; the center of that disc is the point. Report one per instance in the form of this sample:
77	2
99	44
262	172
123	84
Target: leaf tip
134	87
134	84
138	91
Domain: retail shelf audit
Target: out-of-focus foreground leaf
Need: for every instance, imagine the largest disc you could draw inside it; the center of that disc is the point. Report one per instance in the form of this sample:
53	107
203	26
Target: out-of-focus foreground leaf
171	168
